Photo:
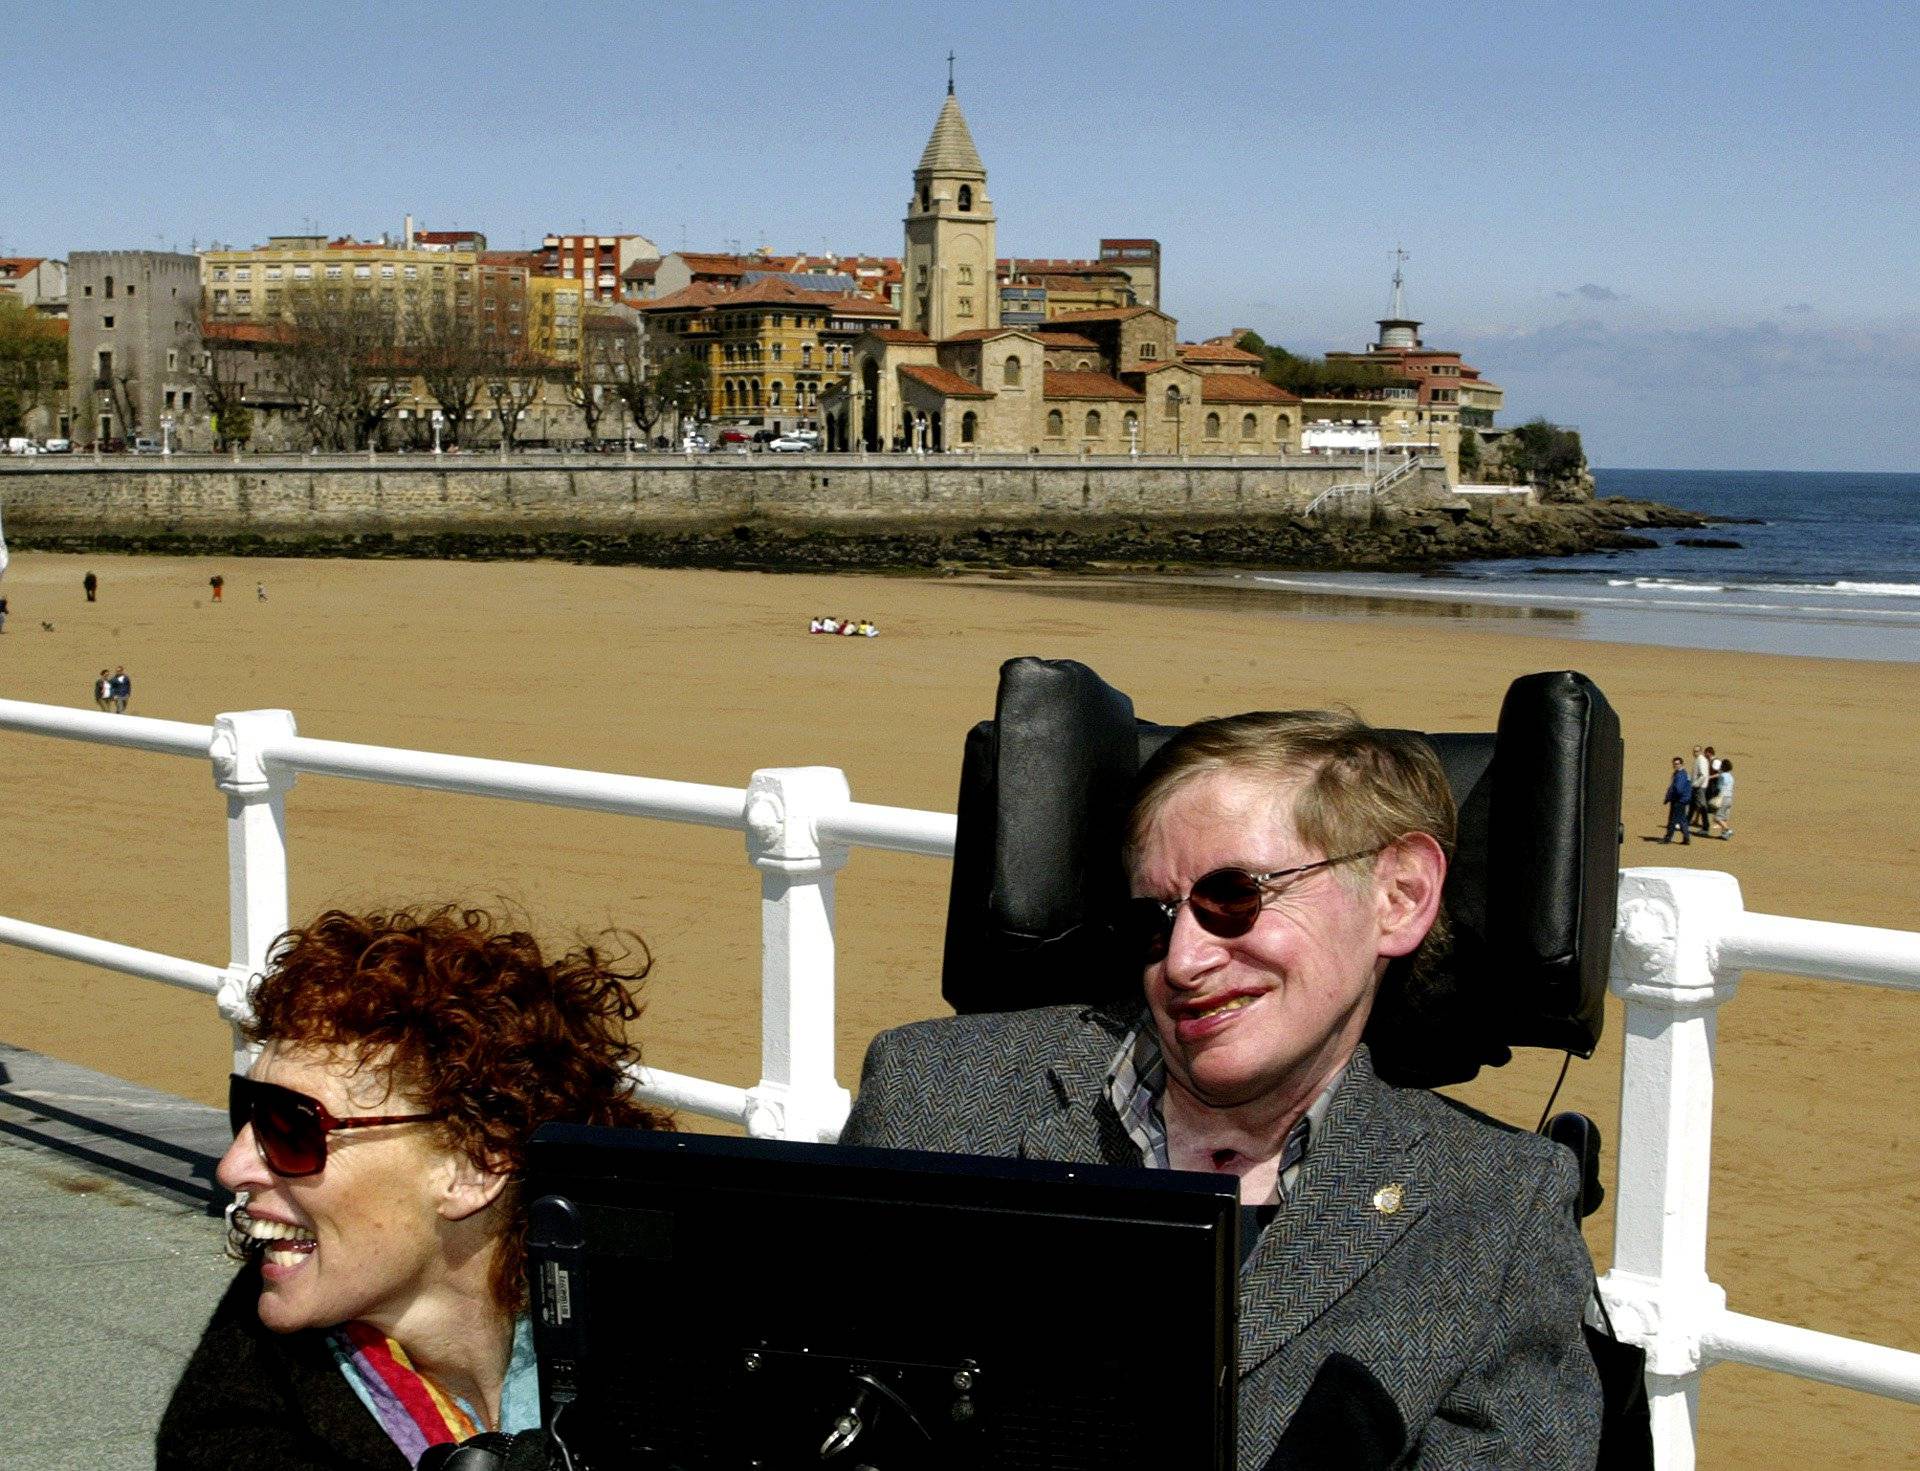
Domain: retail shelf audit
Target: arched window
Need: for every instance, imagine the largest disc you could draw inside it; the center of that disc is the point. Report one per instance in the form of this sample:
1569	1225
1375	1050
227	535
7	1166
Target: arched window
806	354
1280	426
966	197
773	395
1249	427
1085	365
926	197
969	422
1173	402
729	392
1056	424
1131	424
1093	423
1213	426
753	387
109	288
1010	373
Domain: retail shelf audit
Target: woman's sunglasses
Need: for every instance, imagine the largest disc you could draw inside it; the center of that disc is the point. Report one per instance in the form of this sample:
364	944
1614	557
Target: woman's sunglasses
1225	903
290	1129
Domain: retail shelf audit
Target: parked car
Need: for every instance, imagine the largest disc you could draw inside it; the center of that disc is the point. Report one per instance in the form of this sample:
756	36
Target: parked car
792	444
144	446
695	444
57	447
20	445
731	437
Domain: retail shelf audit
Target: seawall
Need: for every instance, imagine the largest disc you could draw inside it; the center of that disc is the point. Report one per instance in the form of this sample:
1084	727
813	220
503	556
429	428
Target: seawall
814	512
410	495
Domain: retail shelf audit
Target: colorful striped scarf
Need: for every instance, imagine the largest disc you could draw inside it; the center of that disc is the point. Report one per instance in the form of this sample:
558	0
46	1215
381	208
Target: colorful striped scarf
415	1412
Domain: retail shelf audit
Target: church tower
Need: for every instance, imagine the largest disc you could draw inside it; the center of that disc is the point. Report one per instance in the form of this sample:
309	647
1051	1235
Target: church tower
952	281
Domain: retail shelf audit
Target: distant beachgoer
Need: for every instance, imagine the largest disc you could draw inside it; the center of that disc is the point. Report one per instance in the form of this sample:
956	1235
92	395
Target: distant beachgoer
103	691
1702	772
829	625
813	625
1720	799
868	629
260	591
217	583
1679	800
122	686
3	615
91	584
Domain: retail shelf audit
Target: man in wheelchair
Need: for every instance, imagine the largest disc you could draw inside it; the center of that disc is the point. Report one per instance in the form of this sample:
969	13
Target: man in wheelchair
1278	865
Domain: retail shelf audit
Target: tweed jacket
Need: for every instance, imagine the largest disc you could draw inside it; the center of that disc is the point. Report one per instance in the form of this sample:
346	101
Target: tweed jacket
1460	1292
252	1398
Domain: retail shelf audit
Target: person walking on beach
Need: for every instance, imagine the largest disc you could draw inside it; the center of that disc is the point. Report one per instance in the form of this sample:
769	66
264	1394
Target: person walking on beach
91	584
3	615
1701	772
218	584
122	689
260	592
1679	800
1720	799
103	691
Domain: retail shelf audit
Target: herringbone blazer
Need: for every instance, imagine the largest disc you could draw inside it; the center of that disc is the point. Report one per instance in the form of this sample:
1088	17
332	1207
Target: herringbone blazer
1436	1246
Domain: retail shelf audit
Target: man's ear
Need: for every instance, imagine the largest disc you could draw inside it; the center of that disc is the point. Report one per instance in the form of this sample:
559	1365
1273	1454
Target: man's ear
1408	876
467	1189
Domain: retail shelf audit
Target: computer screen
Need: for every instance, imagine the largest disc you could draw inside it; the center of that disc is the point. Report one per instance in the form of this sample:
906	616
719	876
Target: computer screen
718	1304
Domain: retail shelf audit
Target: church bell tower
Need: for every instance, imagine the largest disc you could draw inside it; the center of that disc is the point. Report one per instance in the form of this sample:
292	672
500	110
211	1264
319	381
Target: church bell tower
952	282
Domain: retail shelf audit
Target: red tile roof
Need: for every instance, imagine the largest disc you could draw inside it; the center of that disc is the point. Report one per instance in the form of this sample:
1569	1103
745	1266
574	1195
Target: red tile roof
1103	314
1242	388
1087	385
981	334
900	335
527	260
642	270
697	297
244	334
941	381
18	265
1216	352
1065	339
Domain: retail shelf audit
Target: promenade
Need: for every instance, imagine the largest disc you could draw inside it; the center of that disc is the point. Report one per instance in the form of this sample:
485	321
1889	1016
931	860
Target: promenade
110	1259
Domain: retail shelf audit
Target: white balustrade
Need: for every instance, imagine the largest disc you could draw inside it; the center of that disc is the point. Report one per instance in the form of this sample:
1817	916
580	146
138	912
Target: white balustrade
1682	941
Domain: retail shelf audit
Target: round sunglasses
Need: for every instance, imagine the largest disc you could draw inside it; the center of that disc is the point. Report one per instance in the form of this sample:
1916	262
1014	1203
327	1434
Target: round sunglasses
290	1128
1224	903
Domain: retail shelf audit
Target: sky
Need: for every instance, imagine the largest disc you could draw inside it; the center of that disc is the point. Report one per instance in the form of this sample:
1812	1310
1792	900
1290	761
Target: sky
1687	230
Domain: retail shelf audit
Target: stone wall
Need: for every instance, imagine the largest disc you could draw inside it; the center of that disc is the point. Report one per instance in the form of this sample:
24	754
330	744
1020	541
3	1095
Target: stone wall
221	498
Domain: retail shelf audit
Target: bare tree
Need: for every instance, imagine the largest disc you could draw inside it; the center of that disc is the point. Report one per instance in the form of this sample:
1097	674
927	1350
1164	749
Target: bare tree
453	359
630	377
341	358
515	377
229	352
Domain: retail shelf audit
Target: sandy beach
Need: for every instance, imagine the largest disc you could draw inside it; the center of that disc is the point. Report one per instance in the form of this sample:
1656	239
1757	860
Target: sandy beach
706	676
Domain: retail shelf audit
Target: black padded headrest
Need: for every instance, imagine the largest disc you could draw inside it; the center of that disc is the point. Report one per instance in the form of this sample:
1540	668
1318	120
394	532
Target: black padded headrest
1037	872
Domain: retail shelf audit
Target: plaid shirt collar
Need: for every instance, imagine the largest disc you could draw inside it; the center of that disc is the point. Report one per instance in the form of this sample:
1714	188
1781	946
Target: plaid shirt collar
1136	1080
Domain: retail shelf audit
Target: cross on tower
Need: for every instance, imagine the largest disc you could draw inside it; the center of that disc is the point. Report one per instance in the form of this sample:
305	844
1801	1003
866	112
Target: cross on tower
949	74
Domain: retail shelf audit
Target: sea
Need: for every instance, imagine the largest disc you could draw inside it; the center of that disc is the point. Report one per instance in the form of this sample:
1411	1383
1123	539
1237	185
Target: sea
1822	564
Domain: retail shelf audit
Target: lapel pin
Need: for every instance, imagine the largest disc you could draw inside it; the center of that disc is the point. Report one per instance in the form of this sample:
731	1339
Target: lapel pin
1389	1198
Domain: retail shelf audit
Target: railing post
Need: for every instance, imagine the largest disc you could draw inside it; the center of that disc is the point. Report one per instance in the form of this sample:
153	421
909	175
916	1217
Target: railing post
797	1097
1658	1292
256	853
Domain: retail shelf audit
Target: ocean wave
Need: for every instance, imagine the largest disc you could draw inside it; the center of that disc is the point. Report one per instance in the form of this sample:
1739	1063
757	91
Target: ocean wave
1665	584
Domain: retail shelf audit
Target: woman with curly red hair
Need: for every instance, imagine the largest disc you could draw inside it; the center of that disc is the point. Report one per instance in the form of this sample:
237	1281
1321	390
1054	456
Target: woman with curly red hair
405	1060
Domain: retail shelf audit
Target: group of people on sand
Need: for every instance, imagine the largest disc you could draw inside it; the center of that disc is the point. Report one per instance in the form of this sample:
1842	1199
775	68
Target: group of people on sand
1280	864
112	691
1699	796
849	627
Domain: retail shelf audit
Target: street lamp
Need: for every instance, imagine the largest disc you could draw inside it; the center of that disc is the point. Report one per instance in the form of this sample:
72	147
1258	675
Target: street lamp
166	434
438	419
1133	438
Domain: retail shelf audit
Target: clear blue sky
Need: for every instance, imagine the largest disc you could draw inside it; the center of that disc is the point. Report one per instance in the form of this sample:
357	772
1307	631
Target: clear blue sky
1688	230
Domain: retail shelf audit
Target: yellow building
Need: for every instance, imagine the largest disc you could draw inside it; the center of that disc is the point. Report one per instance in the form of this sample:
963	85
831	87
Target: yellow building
771	348
554	319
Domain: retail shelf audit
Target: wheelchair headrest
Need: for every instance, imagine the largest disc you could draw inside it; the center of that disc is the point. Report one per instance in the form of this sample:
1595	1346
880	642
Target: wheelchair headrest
1038	878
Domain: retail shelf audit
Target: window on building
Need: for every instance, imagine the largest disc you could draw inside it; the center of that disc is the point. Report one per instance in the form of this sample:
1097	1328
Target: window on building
169	398
219	273
1093	423
966	306
926	197
333	273
1056	424
969	426
1149	349
303	273
243	299
778	349
186	400
1280	426
86	291
1249	427
109	288
1010	371
105	365
966	275
966	197
1131	424
219	301
1212	430
773	394
412	272
363	273
107	322
173	360
1173	402
806	354
727	392
243	273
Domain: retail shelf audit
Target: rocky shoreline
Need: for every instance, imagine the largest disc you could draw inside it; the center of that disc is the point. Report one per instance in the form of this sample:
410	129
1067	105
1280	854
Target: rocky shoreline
1406	543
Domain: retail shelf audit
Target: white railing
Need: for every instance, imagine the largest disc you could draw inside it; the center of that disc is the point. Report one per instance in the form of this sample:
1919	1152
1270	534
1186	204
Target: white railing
799	824
1682	941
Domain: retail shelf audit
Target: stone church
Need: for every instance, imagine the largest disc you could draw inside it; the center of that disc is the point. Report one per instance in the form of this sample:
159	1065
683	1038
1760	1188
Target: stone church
950	377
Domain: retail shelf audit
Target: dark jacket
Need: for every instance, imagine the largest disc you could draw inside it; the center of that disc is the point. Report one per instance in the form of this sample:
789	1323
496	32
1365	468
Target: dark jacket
1434	1248
254	1400
1679	790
